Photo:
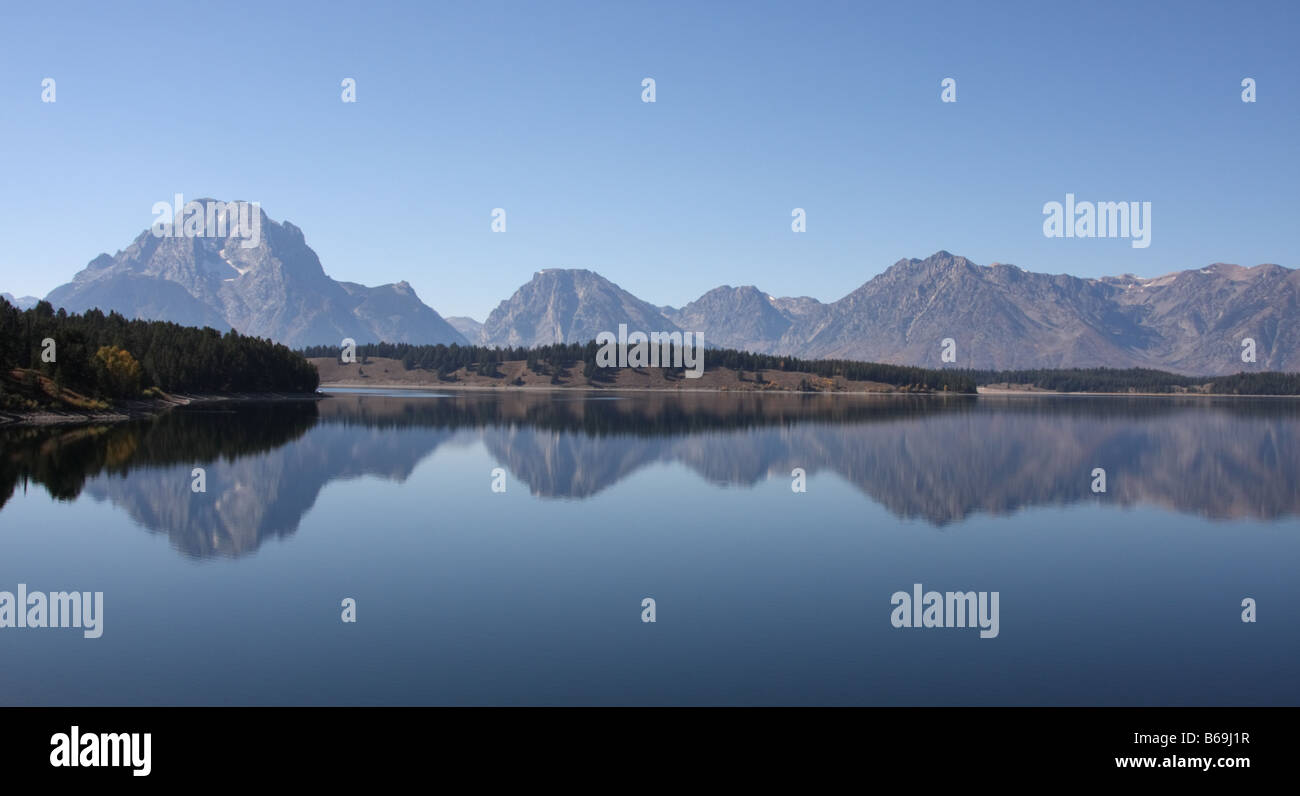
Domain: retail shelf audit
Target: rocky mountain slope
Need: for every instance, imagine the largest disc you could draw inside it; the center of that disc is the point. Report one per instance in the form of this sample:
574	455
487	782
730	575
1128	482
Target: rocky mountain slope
275	289
998	316
569	305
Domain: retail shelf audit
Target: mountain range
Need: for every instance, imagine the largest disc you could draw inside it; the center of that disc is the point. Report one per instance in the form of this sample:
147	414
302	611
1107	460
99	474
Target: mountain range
999	316
1003	317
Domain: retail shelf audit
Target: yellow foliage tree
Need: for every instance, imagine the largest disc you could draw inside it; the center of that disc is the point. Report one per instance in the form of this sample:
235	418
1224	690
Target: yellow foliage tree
121	373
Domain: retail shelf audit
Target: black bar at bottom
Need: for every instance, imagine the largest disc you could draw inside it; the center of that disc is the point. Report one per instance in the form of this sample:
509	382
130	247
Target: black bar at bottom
209	745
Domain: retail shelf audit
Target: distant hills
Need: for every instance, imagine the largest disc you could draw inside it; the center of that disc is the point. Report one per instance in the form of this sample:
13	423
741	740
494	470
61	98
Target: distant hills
469	327
999	316
22	303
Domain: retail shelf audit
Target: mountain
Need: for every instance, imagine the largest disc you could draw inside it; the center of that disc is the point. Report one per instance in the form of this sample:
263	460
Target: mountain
394	313
276	288
1003	317
569	305
753	320
999	317
472	329
1197	319
23	303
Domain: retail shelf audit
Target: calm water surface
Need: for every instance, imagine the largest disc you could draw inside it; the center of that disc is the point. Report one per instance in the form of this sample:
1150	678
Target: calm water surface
764	595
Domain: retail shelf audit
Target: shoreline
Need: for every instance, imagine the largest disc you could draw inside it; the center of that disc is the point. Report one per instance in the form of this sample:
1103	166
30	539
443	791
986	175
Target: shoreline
142	409
408	387
1055	394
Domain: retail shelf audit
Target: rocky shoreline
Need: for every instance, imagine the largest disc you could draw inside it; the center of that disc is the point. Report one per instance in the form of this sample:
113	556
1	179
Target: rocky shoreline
142	408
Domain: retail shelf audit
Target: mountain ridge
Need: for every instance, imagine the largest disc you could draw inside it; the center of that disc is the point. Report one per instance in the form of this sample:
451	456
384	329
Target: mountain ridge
998	316
276	288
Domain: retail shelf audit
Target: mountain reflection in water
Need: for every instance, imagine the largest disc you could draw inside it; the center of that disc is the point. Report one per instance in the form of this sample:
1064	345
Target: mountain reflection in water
935	459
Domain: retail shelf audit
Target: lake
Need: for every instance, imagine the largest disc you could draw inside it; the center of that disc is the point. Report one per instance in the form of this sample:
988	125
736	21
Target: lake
532	592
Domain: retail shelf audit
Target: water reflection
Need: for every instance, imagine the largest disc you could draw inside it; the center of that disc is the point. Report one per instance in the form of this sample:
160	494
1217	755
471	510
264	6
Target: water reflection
935	459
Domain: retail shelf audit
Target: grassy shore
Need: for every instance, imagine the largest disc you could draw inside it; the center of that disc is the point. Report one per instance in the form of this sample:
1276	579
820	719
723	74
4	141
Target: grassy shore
383	373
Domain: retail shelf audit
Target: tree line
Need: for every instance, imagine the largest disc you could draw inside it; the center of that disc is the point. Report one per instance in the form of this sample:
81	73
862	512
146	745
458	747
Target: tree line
553	359
1144	380
109	357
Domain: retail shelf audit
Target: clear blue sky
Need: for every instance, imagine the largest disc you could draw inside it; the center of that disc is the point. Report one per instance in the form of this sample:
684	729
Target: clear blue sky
536	108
